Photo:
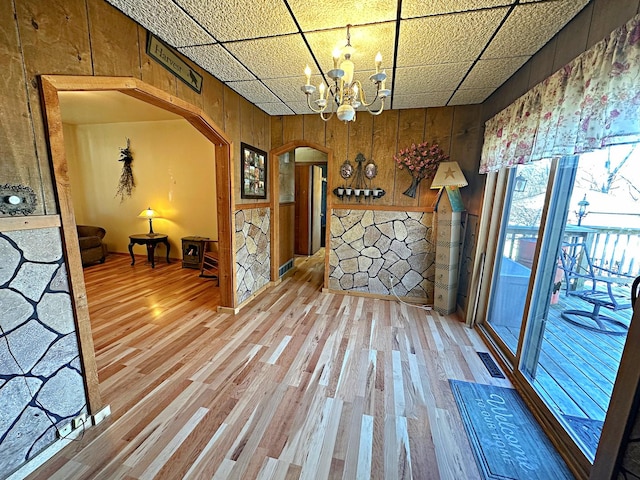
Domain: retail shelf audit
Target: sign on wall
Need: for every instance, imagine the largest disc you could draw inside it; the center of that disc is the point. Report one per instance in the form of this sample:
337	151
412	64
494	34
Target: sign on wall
166	57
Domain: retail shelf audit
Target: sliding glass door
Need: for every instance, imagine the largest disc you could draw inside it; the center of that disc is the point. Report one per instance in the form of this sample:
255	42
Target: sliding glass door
559	304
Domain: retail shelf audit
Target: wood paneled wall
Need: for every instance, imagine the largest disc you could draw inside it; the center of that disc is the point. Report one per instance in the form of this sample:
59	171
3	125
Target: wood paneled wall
90	37
458	130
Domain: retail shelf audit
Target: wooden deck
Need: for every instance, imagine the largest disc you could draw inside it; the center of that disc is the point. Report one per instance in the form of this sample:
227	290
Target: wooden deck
577	366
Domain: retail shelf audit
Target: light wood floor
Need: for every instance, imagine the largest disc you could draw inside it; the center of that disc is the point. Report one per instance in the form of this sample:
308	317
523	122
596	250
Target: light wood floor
300	384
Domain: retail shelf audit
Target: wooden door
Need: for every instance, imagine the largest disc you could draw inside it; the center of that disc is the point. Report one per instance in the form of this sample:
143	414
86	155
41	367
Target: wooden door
316	207
303	210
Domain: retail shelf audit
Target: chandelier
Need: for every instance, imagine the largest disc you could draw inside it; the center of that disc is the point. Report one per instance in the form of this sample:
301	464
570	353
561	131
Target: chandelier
345	93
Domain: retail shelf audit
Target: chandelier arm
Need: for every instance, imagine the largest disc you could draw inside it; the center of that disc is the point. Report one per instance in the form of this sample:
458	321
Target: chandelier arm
363	97
321	110
381	108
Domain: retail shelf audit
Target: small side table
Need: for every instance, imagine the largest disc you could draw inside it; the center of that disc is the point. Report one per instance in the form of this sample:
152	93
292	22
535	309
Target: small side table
150	240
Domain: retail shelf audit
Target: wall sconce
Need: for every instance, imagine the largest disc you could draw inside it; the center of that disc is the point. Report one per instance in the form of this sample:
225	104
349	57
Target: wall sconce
521	183
150	214
365	171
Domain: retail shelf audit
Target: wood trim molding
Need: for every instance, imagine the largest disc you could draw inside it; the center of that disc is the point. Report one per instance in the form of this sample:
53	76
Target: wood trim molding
249	206
9	224
418	301
382	208
51	85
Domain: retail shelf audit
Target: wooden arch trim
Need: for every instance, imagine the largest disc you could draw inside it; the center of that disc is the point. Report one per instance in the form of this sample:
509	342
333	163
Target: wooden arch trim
51	85
274	179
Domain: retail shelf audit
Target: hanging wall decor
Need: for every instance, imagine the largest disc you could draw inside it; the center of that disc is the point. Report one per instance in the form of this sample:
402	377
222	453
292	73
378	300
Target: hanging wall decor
126	183
361	184
422	162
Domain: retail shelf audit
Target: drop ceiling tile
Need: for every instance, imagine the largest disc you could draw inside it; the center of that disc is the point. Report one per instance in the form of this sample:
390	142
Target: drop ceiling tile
275	108
531	26
254	91
300	108
274	57
288	88
447	38
446	76
336	13
367	42
470	97
241	19
422	100
493	72
217	61
420	8
166	20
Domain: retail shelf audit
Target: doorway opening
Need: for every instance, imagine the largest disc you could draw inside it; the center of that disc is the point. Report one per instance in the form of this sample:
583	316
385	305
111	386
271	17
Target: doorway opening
52	87
299	202
560	300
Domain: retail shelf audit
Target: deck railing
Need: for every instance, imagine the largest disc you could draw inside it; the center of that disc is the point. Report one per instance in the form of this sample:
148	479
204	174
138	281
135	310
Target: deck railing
616	249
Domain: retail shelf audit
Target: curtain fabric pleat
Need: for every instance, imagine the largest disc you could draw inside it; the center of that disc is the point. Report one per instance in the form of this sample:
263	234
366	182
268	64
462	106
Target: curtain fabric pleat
591	103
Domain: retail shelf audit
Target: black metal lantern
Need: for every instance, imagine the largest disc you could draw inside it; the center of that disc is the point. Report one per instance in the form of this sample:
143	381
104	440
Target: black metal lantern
521	183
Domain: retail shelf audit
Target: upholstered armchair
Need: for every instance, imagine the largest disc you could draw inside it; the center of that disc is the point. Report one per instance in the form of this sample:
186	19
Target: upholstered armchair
92	248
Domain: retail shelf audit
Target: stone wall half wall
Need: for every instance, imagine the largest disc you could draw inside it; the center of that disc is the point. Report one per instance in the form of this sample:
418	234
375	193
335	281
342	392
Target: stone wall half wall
40	374
372	251
253	251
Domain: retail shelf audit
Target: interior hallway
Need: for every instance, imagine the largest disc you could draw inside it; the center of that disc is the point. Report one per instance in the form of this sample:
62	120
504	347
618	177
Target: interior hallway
299	384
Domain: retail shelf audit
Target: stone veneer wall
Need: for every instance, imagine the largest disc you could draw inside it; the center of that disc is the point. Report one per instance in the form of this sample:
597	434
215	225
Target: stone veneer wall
368	248
40	375
253	251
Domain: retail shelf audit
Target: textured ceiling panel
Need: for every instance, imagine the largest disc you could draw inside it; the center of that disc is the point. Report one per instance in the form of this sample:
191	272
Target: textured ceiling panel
274	57
431	99
261	47
165	19
288	89
492	73
422	8
254	91
217	61
337	13
275	108
530	26
454	38
367	42
241	19
430	77
470	97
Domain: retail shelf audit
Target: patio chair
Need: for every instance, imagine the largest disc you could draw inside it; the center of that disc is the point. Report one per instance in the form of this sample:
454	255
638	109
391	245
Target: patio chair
595	285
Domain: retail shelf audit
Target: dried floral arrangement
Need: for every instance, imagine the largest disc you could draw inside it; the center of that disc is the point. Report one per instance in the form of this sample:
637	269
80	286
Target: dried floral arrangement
422	161
126	184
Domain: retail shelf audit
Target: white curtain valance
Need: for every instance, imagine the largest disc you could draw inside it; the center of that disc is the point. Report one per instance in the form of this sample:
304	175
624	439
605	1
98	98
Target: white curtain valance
592	102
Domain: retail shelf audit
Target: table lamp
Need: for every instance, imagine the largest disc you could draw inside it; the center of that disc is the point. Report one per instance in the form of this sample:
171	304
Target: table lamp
150	214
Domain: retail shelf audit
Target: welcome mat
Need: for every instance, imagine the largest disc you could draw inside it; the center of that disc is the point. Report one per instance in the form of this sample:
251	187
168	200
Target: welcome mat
506	440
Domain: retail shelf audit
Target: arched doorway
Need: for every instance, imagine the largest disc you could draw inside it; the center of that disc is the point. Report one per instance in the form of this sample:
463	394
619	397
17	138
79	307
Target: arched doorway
50	87
278	264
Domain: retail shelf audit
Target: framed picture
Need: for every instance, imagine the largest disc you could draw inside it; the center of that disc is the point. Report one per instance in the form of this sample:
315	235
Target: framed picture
253	172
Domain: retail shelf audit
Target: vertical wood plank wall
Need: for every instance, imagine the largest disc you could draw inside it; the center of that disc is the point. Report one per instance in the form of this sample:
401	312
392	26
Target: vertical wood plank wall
90	37
457	130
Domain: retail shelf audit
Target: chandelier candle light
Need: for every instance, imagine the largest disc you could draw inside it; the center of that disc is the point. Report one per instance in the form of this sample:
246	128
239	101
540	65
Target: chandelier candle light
346	92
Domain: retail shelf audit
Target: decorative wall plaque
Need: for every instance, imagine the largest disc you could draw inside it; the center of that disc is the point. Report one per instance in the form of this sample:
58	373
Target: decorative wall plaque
17	199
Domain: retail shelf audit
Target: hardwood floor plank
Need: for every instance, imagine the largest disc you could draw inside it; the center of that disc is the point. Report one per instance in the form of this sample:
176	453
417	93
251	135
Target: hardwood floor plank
299	384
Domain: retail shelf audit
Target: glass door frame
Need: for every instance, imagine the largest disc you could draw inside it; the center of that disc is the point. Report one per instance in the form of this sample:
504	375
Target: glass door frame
496	197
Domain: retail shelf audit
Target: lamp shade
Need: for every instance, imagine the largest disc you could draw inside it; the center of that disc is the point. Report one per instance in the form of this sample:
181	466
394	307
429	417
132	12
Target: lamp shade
449	174
149	213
